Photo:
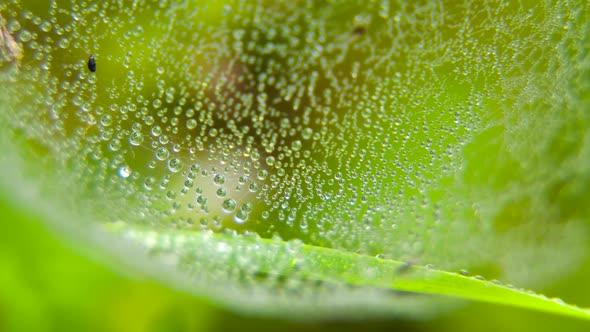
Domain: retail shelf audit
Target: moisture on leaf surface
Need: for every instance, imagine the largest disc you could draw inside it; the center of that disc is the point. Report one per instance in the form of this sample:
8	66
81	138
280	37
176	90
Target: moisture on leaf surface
445	133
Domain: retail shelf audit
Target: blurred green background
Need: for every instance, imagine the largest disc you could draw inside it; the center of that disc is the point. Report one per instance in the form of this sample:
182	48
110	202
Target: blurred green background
47	285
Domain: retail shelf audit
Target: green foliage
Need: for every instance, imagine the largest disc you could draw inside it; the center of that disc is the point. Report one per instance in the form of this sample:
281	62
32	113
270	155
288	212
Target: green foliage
302	266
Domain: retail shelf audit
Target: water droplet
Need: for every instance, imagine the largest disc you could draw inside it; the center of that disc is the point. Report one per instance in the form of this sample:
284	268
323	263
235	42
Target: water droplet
262	175
115	145
175	165
124	172
162	153
240	217
201	199
46	26
171	195
247	207
135	138
219	179
149	183
296	145
307	133
156	131
270	161
229	205
25	36
106	120
253	187
191	123
221	192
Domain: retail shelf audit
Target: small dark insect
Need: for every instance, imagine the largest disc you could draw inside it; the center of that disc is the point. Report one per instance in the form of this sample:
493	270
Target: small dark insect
91	63
359	30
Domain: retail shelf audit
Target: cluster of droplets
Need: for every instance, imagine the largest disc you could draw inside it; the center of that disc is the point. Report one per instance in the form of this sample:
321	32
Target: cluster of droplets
332	124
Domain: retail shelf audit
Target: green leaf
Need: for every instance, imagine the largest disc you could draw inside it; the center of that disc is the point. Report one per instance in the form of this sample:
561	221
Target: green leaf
296	261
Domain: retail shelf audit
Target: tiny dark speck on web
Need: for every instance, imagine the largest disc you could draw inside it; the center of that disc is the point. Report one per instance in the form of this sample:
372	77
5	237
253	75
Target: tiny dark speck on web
91	63
359	30
406	267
